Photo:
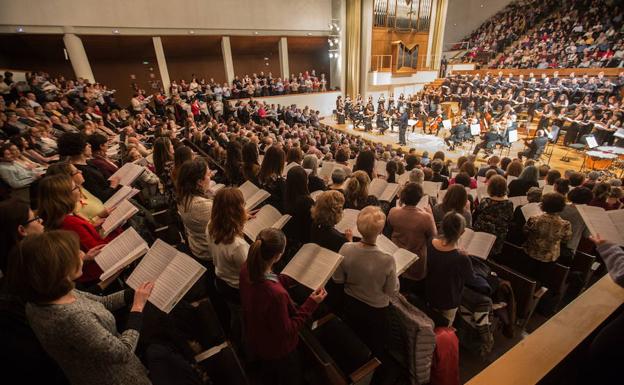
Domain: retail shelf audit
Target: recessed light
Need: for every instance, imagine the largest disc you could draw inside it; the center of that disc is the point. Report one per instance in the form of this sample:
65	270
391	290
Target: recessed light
116	31
192	32
20	29
255	32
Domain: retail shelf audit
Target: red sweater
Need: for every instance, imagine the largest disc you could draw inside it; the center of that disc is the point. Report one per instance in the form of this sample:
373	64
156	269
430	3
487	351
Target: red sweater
272	320
89	238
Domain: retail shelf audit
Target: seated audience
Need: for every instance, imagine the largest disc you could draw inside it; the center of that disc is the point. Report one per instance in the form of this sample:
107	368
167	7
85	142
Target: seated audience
545	232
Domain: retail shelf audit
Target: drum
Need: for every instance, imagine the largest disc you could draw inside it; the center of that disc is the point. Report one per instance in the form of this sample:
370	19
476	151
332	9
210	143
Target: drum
598	160
619	151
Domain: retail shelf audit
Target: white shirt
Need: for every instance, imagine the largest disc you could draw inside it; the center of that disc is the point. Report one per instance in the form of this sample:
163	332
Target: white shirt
228	259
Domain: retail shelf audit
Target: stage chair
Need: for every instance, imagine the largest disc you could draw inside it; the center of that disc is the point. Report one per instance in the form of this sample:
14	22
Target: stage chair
343	358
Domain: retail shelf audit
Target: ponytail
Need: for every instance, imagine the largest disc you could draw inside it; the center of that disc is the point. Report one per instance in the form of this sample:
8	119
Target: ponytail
269	243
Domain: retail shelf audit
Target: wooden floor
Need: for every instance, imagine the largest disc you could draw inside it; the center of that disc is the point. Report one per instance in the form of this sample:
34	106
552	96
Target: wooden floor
575	163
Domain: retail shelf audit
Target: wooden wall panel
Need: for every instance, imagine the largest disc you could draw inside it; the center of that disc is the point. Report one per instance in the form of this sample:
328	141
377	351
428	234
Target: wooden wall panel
249	54
309	53
199	55
114	59
35	53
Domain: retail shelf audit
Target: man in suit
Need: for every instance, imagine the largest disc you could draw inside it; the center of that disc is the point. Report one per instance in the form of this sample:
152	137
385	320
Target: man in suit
536	146
403	123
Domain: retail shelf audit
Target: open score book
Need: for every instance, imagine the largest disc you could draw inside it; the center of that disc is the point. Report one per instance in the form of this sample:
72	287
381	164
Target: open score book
124	211
477	243
609	224
253	195
402	257
128	173
172	272
313	265
383	190
266	217
120	252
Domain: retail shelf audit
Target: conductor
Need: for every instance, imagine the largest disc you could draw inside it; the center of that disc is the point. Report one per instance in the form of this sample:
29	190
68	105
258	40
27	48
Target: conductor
403	123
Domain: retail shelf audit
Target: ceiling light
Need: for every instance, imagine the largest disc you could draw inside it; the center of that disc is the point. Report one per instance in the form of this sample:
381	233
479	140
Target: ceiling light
20	29
192	32
116	31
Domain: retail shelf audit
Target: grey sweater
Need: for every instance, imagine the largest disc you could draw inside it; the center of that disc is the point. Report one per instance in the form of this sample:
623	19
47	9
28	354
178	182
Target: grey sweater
613	256
82	338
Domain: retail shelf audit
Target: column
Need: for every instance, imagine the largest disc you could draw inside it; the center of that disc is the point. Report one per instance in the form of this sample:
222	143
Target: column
438	32
366	36
283	57
162	64
78	57
337	65
226	51
353	42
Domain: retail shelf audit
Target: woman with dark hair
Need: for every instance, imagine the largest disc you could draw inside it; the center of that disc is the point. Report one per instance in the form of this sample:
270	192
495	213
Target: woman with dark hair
76	147
180	155
226	244
447	268
356	192
251	165
441	156
562	186
494	213
18	221
391	170
194	200
163	160
411	228
234	164
77	329
270	176
294	155
601	193
455	199
100	159
527	179
365	161
297	203
271	319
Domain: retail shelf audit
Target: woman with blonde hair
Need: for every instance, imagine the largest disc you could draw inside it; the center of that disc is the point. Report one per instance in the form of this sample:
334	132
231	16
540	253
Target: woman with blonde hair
356	192
58	197
326	213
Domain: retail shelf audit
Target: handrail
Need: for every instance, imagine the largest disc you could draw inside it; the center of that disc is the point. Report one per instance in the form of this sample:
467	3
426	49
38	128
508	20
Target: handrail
381	63
541	351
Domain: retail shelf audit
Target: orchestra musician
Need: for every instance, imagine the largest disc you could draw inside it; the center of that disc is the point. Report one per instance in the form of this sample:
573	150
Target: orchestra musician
489	140
535	146
421	117
403	123
382	119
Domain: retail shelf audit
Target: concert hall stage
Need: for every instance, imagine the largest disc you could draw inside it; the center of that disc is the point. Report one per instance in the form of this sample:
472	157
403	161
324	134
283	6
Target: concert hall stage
422	142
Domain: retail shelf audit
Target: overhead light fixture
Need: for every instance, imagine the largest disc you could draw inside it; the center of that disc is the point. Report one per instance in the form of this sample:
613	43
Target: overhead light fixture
255	32
192	32
19	29
116	31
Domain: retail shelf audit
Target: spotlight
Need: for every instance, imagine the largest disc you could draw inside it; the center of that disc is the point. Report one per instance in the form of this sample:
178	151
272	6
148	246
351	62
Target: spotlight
255	32
331	55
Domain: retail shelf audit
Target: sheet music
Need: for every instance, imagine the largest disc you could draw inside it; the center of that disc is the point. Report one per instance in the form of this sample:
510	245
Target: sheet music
447	124
531	209
548	188
177	278
380	167
120	252
124	211
519	201
431	188
423	203
313	265
383	190
128	173
349	221
326	170
477	244
253	195
475	129
403	178
441	195
153	264
403	258
599	222
268	216
591	141
619	133
617	217
541	183
248	189
124	192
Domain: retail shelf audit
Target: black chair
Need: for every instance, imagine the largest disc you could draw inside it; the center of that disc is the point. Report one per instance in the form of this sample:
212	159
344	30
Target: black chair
222	365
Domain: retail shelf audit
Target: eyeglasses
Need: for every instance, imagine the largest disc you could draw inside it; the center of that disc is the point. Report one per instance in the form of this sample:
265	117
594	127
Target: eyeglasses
76	187
36	218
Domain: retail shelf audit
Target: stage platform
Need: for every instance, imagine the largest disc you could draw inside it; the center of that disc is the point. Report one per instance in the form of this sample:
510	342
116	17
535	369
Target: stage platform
422	142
